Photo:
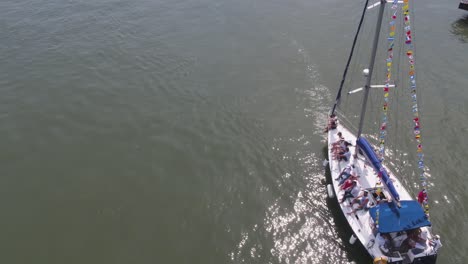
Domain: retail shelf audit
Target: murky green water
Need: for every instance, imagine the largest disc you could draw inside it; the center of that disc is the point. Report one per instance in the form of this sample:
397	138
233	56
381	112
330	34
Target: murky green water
190	131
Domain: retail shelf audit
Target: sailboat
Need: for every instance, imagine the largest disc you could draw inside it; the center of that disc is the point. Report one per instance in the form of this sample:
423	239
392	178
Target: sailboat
391	224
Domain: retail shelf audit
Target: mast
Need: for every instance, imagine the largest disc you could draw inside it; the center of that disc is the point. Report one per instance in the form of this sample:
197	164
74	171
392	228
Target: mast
371	67
368	85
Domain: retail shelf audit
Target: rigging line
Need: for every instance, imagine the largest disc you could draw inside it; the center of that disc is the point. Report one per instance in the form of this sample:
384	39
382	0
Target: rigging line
338	96
398	90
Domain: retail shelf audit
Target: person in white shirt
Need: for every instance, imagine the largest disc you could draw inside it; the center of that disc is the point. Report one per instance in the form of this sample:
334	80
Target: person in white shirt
422	237
435	243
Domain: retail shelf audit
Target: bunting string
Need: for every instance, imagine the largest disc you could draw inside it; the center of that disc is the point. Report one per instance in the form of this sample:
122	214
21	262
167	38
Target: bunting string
414	107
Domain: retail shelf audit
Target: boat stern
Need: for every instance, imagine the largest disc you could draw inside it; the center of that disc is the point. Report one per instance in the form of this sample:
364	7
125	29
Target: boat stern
430	259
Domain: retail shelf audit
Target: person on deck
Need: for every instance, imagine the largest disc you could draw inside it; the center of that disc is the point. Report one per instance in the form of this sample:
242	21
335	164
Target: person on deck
416	247
362	201
332	123
351	192
353	177
347	184
422	197
385	242
435	243
339	148
379	196
344	155
422	237
345	173
340	141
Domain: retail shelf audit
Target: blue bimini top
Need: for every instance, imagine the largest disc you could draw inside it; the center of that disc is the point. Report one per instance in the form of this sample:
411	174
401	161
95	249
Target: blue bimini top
393	219
372	157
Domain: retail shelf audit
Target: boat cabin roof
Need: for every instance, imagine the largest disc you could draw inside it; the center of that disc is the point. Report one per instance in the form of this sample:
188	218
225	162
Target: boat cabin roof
393	219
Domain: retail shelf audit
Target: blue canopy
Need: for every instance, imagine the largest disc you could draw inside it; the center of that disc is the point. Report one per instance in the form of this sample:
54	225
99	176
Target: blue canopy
372	157
392	219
